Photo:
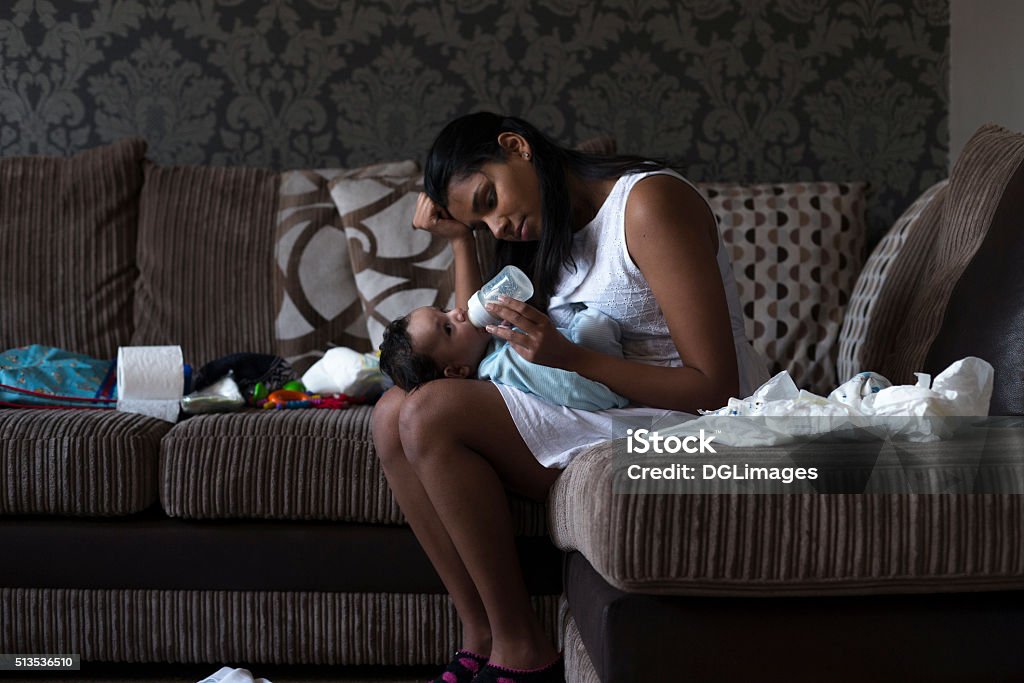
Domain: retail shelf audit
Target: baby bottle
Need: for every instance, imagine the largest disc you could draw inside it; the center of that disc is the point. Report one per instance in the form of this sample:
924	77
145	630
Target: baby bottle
510	282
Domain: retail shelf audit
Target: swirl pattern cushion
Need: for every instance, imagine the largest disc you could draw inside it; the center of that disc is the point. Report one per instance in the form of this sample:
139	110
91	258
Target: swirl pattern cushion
796	250
317	302
396	268
875	280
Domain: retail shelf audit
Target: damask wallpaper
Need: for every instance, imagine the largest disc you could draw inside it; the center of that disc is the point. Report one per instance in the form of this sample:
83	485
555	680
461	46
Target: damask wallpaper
730	90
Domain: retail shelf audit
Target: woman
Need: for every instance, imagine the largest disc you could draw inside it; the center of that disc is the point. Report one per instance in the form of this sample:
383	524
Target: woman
622	235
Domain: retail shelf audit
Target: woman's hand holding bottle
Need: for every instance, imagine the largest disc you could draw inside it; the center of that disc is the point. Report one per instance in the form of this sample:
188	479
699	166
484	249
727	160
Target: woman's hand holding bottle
536	338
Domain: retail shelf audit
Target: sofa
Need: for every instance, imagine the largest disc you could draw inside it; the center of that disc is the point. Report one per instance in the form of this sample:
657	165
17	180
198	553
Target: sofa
270	536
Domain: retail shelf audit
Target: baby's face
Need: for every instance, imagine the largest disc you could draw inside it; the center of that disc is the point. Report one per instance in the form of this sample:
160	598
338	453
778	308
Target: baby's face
447	337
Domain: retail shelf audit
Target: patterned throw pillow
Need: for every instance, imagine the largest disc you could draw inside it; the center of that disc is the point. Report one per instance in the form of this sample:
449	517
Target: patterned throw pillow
872	282
318	305
396	268
796	250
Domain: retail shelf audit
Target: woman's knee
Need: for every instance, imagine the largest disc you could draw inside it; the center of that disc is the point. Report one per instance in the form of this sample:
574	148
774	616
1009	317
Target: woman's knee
384	424
424	420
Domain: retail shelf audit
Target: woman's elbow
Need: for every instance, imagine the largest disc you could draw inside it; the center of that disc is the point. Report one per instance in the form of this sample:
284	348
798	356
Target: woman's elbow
727	386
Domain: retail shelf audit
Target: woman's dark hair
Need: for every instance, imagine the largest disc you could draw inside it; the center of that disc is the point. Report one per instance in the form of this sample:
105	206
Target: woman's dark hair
406	368
469	142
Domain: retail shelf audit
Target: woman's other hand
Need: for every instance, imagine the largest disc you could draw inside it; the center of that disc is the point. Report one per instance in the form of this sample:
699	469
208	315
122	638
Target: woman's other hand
536	338
435	220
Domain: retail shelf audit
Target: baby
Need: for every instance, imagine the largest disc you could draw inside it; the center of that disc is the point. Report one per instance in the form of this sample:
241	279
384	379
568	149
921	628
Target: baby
430	344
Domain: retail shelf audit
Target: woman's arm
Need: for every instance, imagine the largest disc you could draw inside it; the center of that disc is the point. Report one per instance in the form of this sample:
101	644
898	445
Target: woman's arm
434	219
467	269
669	235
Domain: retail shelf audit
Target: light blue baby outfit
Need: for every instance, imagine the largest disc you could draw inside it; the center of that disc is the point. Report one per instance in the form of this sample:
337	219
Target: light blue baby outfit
589	328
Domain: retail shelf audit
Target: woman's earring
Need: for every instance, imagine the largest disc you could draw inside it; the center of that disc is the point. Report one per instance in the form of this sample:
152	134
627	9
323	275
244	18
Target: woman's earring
526	155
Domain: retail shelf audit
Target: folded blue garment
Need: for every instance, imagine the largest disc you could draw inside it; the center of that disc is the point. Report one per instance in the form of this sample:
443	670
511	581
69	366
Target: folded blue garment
61	375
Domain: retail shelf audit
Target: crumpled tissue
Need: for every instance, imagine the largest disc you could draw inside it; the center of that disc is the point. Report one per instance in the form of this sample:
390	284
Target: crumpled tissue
345	371
867	406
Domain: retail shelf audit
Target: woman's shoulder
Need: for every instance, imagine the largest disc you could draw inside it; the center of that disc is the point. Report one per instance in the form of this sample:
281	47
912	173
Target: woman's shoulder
665	196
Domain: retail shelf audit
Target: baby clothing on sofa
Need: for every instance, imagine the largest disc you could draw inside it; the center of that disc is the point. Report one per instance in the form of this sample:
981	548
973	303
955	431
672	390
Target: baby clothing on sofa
589	328
47	376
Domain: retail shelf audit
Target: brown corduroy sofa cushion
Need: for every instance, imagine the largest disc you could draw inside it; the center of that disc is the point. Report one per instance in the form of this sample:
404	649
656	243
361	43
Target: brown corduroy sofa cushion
205	258
67	244
937	253
985	313
288	464
78	462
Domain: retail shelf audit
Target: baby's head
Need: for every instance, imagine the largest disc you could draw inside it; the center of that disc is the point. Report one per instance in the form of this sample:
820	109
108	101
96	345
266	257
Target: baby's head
430	344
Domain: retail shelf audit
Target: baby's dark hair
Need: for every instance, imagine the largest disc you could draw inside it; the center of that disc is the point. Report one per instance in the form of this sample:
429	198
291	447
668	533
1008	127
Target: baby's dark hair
406	368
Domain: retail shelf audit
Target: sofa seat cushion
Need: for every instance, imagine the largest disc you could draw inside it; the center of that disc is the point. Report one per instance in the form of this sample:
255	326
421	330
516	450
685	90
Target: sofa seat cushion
806	543
287	464
78	462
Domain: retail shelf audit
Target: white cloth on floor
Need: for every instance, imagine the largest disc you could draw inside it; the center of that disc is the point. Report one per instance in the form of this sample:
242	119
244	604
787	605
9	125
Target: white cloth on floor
866	406
228	675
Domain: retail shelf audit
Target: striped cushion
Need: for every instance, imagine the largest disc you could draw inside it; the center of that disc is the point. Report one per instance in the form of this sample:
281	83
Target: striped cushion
78	462
799	544
67	239
205	259
875	281
933	260
287	464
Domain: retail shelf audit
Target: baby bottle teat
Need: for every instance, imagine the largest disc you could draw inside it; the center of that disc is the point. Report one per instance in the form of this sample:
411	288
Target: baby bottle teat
510	282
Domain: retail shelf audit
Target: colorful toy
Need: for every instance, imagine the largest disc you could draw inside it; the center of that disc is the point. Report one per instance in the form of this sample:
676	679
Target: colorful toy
289	399
259	392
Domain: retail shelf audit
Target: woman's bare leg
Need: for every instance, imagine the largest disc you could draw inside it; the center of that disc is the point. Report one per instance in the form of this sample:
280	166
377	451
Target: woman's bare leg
466	449
427	526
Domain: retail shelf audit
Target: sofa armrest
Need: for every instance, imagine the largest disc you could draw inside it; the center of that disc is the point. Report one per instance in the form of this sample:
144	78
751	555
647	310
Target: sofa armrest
801	543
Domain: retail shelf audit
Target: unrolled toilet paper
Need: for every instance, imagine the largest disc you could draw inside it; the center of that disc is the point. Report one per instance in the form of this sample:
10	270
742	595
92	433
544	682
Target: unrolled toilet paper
150	380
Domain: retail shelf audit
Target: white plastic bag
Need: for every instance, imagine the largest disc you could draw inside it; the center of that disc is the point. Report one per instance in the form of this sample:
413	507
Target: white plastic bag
866	406
345	371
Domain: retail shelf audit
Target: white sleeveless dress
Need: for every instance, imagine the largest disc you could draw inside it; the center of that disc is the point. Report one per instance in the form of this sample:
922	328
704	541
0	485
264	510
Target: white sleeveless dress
607	279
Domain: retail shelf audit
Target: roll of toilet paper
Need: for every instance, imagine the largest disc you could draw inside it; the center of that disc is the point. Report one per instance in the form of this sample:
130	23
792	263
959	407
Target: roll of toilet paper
150	380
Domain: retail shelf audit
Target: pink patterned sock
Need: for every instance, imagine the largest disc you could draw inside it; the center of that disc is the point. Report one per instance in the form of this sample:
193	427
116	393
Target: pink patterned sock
463	667
550	673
